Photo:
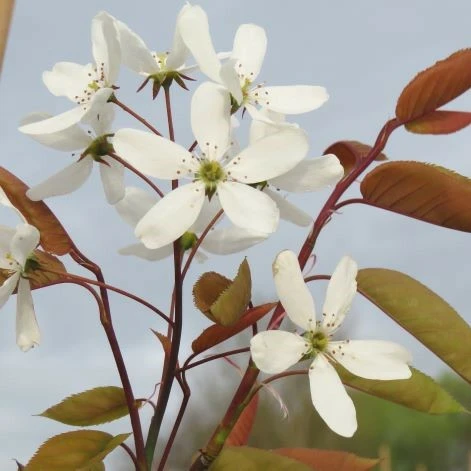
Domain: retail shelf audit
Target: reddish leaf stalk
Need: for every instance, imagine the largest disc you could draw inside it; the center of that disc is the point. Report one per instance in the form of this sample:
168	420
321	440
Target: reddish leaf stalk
114	100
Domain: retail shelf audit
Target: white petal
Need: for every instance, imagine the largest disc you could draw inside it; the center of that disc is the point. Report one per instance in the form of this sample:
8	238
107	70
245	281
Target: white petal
292	291
207	214
152	255
200	256
25	240
210	119
171	217
154	155
135	204
250	45
67	79
8	287
112	177
6	236
269	157
231	80
27	329
194	30
274	351
311	175
288	211
293	99
102	121
266	122
67	140
96	104
231	240
5	201
330	398
248	208
178	51
105	46
340	292
134	52
66	181
372	359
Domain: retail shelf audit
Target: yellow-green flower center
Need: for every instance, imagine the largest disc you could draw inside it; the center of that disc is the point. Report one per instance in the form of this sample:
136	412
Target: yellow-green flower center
317	340
210	174
99	147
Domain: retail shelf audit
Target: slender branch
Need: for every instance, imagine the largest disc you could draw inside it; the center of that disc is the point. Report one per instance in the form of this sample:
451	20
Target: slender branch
350	201
316	277
189	366
130	453
171	132
114	100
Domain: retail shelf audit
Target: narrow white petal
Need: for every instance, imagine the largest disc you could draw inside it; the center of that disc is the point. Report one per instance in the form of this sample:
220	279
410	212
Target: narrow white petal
340	292
178	52
6	236
231	80
292	291
105	46
96	104
5	201
207	214
231	240
200	256
293	99
250	45
330	398
135	204
102	121
152	255
194	30
171	216
8	287
210	119
66	181
27	329
373	359
288	211
311	175
154	155
112	177
25	240
270	123
269	157
67	79
274	351
248	208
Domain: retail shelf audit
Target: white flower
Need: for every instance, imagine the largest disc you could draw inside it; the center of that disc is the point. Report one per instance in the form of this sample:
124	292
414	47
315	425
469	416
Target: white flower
16	258
212	172
274	351
95	149
88	86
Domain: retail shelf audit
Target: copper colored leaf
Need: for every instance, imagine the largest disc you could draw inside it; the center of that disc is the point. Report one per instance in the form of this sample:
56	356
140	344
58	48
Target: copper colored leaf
328	460
351	152
207	289
217	333
81	450
440	122
240	433
420	392
421	312
165	342
435	86
54	238
422	191
92	407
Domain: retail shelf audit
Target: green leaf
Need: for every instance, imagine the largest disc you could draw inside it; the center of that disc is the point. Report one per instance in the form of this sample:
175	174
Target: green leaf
82	450
92	407
254	459
422	313
420	392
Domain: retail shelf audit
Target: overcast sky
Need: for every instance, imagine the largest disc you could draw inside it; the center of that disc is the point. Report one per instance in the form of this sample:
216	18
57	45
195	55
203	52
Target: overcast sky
363	52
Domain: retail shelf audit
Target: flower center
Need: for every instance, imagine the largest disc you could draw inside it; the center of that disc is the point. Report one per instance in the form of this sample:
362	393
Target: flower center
31	264
99	147
210	173
96	80
318	341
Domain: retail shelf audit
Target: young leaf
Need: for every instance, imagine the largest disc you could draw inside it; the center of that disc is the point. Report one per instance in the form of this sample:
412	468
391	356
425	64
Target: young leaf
206	291
440	122
217	333
329	460
81	449
420	392
435	86
92	407
240	433
422	313
427	192
54	238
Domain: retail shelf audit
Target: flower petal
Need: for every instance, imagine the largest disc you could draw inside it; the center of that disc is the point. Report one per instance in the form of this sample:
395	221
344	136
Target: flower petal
66	181
67	79
269	157
266	122
178	52
171	216
211	119
292	291
6	236
373	359
250	45
311	175
27	329
231	240
102	121
288	211
8	287
112	177
330	398
194	29
231	81
135	204
152	255
340	292
207	214
154	155
25	240
293	99
274	351
5	201
248	208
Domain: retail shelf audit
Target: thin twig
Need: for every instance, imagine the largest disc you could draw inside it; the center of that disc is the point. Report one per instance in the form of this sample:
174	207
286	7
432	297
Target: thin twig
130	453
189	366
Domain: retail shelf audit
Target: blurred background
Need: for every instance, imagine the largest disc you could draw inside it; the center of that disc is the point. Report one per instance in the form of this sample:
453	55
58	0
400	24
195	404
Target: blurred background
364	53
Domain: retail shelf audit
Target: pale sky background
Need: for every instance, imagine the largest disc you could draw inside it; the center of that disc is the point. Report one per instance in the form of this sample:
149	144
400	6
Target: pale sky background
363	52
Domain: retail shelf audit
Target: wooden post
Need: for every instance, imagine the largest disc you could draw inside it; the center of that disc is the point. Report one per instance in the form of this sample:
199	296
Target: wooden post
6	10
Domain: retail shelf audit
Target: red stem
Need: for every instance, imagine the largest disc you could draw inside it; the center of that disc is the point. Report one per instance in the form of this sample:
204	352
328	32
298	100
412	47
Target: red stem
114	100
